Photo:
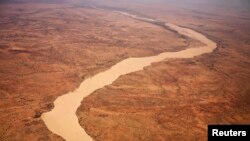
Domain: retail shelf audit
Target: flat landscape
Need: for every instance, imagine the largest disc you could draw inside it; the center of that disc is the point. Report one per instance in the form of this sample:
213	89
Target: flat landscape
48	49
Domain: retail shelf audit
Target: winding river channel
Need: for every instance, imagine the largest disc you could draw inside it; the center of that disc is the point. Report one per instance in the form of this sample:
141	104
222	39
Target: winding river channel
62	119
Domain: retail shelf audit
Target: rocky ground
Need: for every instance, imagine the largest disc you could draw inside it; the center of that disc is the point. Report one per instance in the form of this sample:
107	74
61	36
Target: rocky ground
47	50
177	99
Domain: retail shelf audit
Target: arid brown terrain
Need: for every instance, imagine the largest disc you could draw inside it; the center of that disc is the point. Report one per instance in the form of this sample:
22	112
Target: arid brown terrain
178	98
48	49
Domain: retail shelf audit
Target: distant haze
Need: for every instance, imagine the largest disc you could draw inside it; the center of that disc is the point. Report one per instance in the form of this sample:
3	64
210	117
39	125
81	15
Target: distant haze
242	7
28	1
190	4
180	2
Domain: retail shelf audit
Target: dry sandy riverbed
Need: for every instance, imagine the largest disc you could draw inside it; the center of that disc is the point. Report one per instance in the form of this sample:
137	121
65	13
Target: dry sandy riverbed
62	120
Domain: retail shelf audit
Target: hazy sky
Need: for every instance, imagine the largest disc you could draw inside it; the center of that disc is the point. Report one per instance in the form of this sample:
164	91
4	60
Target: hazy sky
219	3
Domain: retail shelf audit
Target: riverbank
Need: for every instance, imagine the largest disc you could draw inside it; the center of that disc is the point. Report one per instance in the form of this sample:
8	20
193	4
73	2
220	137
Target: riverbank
44	57
177	98
62	119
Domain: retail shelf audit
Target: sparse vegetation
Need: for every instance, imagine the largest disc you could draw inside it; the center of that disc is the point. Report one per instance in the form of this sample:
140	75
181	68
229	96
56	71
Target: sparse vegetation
48	48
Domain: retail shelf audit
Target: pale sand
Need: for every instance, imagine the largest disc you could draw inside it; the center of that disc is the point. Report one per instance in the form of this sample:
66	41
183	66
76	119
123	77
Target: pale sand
62	120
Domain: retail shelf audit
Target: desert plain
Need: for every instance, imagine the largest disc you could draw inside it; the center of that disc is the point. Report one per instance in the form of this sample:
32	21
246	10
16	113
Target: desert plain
48	48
